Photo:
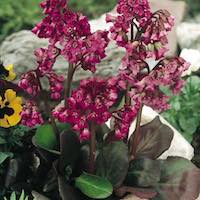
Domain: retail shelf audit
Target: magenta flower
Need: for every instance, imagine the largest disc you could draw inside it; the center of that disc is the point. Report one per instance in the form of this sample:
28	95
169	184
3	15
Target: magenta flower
135	9
46	58
30	115
90	102
56	85
168	74
29	82
119	29
123	120
87	52
72	31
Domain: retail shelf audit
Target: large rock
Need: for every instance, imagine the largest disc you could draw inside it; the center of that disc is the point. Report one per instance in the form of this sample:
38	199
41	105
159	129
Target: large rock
18	49
193	57
188	35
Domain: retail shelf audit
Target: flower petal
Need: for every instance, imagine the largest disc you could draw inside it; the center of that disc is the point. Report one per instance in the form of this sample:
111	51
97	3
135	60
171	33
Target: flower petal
10	95
13	119
4	123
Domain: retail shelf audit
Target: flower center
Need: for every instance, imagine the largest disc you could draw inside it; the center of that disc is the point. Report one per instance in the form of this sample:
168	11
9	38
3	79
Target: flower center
3	71
6	111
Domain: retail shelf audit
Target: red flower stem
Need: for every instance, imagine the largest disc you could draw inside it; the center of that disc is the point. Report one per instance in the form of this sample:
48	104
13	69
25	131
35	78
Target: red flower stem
127	97
52	120
69	80
92	149
136	137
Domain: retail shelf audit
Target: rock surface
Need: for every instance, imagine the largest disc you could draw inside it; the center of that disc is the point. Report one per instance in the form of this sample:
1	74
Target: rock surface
193	57
18	49
188	35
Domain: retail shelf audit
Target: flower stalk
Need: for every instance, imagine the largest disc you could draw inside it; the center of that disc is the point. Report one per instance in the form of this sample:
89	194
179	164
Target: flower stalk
69	80
92	149
52	120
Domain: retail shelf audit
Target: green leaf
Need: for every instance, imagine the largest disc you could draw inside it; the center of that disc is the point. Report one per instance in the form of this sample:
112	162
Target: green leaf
63	126
67	192
4	156
70	150
188	124
22	195
45	137
2	141
94	186
143	173
155	138
112	163
13	196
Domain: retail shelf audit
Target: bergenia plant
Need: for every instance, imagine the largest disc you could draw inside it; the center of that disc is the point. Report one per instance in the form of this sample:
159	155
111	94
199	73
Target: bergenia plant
86	138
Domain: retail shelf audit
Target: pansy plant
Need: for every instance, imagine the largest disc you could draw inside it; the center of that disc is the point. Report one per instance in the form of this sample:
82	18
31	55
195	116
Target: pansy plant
105	161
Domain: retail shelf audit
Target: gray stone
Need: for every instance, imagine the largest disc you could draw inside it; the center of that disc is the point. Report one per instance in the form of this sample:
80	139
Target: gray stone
193	57
188	35
18	49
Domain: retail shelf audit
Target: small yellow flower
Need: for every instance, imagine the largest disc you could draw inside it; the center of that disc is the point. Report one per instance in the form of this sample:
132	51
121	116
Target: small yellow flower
10	109
7	72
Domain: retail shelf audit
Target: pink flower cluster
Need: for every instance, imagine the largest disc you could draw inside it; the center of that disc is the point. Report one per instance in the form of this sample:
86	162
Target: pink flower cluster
88	51
30	115
46	58
56	85
167	73
72	31
119	29
155	35
134	9
70	36
152	27
29	83
90	102
123	119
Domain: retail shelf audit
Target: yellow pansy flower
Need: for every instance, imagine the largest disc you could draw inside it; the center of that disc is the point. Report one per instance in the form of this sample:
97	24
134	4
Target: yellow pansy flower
7	72
10	109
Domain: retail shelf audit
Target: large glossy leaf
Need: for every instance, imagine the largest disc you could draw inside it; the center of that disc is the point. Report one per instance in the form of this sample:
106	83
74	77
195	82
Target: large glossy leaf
155	138
143	173
180	180
94	186
66	191
45	137
63	127
70	150
2	140
177	178
112	163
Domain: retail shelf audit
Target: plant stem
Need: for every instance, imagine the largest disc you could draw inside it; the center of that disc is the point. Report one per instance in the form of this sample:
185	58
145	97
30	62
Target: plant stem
136	135
92	149
52	120
127	97
70	74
